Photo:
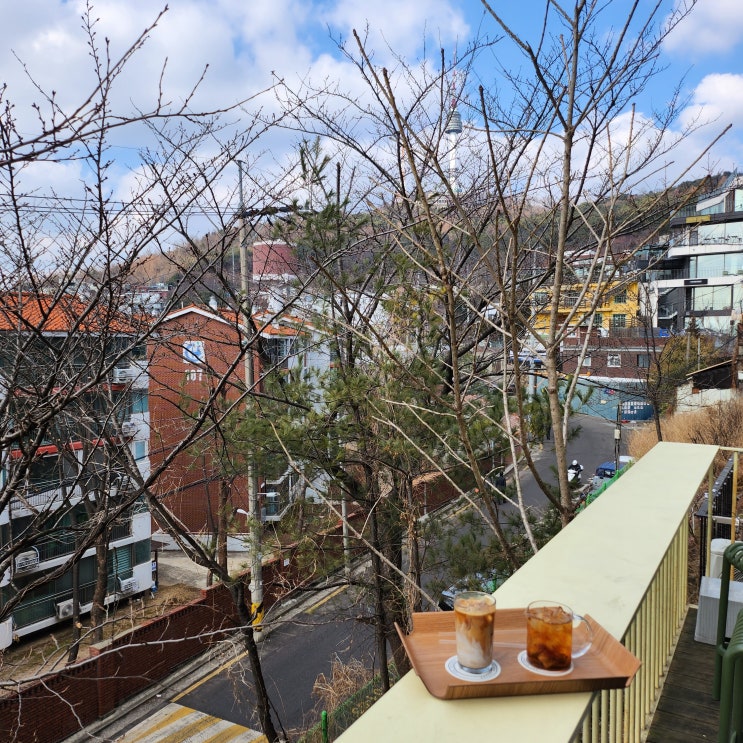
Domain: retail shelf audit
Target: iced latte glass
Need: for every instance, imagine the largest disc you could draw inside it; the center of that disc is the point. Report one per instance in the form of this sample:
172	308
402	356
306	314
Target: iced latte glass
551	643
474	616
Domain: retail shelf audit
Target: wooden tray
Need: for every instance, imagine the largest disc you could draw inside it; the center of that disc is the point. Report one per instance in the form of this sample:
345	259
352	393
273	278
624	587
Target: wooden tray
607	665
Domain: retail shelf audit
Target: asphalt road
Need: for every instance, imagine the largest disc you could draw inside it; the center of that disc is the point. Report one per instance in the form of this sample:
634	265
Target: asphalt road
593	445
293	655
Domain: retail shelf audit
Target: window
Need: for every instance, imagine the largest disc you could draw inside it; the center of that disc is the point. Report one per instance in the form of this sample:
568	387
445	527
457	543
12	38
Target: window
613	360
621	297
712	298
643	361
598	320
619	321
278	350
570	298
586	362
193	353
138	402
140	450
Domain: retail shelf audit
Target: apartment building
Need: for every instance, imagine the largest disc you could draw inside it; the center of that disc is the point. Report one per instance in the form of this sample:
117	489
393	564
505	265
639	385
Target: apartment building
698	272
76	381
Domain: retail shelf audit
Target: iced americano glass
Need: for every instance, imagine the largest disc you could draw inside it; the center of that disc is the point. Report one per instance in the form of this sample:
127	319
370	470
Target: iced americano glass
555	635
474	617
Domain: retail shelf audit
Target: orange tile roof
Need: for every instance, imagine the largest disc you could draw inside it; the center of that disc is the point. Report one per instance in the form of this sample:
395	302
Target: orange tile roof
59	314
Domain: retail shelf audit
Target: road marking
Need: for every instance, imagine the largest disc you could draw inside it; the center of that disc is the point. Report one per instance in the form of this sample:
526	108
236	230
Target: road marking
330	596
177	724
215	672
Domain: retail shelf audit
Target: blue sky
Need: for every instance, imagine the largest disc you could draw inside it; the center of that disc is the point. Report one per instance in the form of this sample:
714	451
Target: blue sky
248	42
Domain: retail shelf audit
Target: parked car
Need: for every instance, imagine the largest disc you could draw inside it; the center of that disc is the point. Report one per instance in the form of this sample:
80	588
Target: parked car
607	470
478	583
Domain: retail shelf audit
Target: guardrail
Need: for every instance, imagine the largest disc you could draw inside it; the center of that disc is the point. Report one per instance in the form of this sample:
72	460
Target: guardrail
623	561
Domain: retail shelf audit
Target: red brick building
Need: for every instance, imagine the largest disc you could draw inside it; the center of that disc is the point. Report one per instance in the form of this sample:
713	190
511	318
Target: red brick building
196	348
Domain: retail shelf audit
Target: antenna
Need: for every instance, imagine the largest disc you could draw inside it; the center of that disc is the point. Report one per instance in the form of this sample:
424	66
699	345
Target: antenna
453	129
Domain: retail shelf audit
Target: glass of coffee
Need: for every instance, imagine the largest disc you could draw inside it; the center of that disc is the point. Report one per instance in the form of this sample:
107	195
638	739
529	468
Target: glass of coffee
555	635
474	617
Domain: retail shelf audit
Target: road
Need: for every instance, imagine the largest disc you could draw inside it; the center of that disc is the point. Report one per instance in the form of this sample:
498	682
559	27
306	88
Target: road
293	655
594	445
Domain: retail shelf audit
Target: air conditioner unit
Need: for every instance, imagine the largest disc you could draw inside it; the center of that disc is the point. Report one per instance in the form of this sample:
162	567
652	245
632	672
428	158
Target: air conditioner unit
123	374
64	609
128	428
128	585
27	560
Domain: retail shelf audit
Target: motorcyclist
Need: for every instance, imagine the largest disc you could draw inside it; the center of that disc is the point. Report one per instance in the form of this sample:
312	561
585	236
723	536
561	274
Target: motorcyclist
574	470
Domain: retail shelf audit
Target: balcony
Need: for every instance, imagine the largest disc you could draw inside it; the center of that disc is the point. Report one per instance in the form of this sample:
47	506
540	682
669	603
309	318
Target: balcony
625	561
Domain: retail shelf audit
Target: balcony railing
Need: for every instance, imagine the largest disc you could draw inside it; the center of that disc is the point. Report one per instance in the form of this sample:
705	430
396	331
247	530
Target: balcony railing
623	561
63	543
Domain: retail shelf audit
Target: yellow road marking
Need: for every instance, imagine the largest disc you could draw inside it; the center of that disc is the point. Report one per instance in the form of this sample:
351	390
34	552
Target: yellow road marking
189	731
232	732
214	673
177	724
165	721
326	599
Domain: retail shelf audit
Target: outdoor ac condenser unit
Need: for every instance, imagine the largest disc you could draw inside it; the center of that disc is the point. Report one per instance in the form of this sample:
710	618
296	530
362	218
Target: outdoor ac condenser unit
27	560
64	609
128	585
123	374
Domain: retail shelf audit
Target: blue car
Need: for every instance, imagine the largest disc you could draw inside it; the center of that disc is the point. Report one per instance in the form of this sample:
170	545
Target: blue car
607	470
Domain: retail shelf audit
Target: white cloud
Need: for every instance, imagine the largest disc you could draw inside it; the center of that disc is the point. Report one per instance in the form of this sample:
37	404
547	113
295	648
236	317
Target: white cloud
717	98
714	26
401	26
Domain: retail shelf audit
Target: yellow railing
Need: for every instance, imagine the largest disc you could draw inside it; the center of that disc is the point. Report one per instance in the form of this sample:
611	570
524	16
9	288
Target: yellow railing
733	503
624	561
623	715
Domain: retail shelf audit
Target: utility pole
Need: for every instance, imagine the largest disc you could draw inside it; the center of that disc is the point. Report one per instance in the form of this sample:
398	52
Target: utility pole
255	558
617	437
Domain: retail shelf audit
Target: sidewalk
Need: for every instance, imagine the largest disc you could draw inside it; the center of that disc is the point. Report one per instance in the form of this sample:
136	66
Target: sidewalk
174	567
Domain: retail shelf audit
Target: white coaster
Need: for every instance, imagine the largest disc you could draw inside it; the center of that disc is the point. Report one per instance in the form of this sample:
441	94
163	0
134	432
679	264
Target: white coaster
524	661
453	667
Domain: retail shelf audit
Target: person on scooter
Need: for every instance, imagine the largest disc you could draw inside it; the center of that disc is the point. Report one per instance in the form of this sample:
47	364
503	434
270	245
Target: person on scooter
574	471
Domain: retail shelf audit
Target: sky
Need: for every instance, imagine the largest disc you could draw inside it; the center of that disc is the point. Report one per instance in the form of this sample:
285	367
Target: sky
247	44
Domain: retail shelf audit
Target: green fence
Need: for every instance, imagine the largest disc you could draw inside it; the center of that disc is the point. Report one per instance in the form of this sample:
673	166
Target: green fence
341	718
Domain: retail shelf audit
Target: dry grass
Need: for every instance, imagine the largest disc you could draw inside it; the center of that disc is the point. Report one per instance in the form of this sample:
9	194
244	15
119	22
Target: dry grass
344	681
720	425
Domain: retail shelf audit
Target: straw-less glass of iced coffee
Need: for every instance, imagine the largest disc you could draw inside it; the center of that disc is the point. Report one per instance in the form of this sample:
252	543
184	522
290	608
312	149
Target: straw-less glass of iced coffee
474	615
549	636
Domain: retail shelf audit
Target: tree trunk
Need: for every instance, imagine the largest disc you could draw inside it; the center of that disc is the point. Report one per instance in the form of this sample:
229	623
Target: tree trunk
263	703
224	497
379	629
98	612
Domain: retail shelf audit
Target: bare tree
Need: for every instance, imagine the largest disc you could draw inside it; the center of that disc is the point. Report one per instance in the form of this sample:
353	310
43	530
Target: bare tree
75	328
523	196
